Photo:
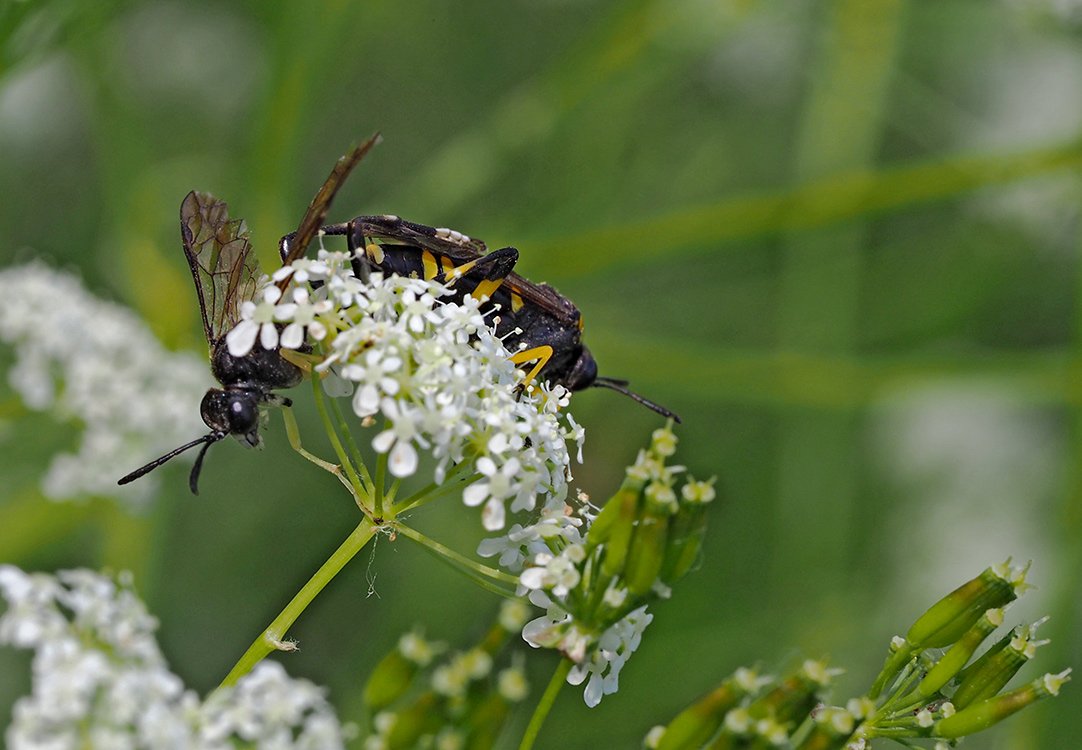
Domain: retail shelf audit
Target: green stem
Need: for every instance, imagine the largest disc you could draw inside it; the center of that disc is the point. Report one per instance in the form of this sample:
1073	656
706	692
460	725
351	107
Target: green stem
432	490
381	478
393	491
272	636
540	713
347	465
441	491
358	459
458	559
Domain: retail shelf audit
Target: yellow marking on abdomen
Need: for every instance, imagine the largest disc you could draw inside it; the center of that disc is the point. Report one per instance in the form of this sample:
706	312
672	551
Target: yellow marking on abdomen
428	263
516	302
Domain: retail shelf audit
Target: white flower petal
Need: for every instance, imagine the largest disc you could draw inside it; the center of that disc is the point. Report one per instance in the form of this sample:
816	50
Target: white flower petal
475	494
268	336
292	336
403	459
382	442
493	515
241	339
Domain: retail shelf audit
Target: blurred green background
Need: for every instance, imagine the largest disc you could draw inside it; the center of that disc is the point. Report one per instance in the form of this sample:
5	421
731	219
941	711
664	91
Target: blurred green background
840	238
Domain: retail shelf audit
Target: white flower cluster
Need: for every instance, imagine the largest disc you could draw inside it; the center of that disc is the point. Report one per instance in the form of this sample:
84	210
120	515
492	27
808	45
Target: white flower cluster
433	369
94	365
595	584
522	543
99	679
598	657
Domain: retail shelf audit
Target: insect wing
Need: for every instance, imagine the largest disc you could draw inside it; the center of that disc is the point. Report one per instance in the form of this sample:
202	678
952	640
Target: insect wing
544	297
220	257
321	203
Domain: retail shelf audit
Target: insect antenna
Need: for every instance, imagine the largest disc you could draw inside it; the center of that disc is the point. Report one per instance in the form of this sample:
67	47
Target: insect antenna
193	478
620	386
207	439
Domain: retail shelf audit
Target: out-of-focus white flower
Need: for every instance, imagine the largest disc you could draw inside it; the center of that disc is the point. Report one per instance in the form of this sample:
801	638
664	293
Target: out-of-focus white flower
99	678
452	679
512	684
435	372
268	708
93	364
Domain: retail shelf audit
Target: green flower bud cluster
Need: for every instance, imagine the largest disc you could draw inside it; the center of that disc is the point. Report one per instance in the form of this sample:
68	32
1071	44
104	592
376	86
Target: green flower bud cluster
420	695
931	687
747	710
596	589
648	536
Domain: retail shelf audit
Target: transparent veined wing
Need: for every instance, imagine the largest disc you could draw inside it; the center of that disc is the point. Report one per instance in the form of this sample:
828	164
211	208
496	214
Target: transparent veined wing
220	257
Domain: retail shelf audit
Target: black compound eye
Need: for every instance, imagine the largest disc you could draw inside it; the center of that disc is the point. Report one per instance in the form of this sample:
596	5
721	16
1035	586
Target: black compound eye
583	372
243	414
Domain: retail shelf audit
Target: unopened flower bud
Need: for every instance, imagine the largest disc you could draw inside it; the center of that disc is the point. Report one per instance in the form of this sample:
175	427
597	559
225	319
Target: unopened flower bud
692	727
485	721
996	668
410	724
991	711
956	657
948	619
389	681
614	527
664	441
951	617
795	696
686	531
646	554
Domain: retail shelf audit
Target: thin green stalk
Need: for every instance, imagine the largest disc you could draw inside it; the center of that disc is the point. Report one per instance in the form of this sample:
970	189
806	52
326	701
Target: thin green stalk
544	706
274	633
347	465
358	459
441	491
381	477
393	491
422	495
458	559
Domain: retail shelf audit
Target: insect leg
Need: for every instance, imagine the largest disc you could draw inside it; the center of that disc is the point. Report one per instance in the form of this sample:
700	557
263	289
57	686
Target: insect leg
293	434
287	239
301	360
541	353
486	273
361	254
398	230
